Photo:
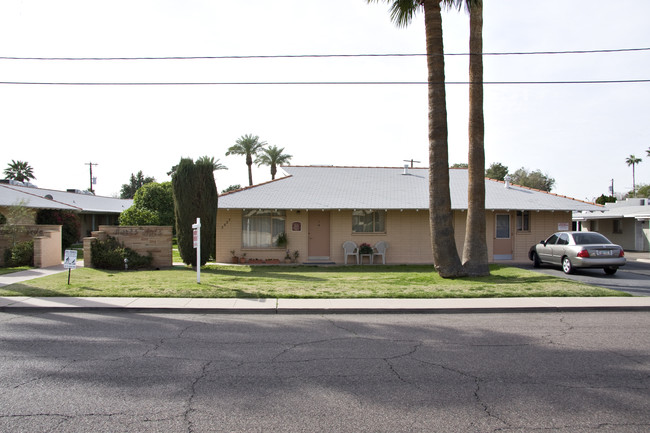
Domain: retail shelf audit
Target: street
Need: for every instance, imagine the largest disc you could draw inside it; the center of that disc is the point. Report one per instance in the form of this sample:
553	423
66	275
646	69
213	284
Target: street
130	372
633	278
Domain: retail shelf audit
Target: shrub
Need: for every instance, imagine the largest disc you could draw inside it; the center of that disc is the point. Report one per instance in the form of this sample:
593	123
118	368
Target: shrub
110	254
70	222
21	254
135	216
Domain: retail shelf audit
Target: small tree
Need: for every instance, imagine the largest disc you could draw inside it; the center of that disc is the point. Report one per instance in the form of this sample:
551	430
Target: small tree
195	196
533	179
496	171
135	183
153	204
605	199
231	188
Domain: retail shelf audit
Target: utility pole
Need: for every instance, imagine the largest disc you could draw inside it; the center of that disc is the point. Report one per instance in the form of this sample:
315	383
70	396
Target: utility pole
411	161
91	175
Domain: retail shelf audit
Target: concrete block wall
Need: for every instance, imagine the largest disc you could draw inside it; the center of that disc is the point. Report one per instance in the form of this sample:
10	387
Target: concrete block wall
156	240
47	242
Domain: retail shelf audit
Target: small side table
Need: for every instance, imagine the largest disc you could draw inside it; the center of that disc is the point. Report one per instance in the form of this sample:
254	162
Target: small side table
361	256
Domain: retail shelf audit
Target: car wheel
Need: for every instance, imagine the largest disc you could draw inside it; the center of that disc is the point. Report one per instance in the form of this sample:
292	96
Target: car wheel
610	270
567	267
536	261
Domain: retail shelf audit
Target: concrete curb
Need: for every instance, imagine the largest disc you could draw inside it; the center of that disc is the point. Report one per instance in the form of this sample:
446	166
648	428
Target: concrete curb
323	306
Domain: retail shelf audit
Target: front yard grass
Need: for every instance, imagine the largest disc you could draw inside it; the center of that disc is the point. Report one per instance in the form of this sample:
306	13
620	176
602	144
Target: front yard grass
4	271
302	282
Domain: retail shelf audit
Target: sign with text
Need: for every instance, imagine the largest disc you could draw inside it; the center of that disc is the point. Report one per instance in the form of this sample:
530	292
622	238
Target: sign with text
70	259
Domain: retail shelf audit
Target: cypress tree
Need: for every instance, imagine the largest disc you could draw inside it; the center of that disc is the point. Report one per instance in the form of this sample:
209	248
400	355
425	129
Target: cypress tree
195	196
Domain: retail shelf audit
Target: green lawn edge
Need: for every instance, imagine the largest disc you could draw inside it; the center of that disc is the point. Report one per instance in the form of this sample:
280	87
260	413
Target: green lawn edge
308	282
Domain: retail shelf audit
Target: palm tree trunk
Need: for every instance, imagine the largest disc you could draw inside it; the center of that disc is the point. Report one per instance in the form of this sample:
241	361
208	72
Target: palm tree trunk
475	254
443	242
249	163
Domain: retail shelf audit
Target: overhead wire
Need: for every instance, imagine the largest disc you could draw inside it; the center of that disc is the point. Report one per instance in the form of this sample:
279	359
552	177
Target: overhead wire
303	56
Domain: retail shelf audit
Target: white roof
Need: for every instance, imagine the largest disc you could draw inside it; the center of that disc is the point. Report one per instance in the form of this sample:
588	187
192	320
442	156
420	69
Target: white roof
40	198
324	187
629	208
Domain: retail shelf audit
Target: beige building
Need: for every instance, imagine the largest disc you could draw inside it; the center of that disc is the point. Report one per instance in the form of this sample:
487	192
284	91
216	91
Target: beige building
624	223
92	210
319	208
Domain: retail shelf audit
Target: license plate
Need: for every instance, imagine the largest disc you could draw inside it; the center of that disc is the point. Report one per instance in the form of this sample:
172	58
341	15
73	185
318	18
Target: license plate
604	252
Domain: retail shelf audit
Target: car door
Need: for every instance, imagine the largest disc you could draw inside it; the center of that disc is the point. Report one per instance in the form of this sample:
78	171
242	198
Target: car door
545	249
559	248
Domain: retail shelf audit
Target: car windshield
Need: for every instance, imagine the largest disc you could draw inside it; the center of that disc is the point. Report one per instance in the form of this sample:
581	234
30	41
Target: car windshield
590	238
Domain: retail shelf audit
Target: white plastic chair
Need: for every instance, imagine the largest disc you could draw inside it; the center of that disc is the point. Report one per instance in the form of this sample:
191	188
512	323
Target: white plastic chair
380	250
350	249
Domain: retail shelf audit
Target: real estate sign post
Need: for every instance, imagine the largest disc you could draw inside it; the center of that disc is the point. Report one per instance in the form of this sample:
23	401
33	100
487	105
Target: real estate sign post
197	244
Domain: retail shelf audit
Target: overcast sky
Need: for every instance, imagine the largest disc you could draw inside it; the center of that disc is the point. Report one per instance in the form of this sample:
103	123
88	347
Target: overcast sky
579	134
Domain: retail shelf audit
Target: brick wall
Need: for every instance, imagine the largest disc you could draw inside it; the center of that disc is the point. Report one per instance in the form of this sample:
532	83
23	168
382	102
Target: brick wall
47	242
156	240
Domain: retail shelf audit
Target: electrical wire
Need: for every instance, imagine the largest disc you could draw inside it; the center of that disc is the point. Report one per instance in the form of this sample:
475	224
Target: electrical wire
301	56
312	83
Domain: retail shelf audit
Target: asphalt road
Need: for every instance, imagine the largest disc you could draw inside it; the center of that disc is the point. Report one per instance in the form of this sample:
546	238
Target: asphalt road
129	372
633	278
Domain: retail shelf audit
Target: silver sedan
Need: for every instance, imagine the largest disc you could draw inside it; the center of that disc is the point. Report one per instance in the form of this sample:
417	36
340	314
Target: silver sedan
573	250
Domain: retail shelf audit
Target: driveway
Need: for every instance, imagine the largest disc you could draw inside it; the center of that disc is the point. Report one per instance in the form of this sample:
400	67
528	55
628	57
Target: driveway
633	278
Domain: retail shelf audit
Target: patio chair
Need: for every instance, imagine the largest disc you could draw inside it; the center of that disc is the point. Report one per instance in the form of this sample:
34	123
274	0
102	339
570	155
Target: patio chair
380	250
350	249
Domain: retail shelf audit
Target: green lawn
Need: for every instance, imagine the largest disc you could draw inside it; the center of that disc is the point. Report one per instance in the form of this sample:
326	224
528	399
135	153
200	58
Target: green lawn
4	271
303	282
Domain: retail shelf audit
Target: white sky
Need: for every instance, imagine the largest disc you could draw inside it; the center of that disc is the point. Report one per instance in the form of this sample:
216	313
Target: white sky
578	134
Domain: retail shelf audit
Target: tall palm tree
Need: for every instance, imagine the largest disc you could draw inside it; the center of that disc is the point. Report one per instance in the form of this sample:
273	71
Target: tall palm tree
443	242
632	161
248	145
475	252
20	171
272	156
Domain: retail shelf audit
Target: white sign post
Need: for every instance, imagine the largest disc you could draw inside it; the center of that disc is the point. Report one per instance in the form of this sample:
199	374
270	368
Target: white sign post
70	261
197	244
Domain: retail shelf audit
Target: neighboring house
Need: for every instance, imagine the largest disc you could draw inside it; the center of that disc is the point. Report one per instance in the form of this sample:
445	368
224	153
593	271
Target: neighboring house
93	210
320	208
625	223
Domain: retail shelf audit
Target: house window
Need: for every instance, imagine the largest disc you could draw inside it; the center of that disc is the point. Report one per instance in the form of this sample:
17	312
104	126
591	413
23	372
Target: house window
261	228
368	221
523	221
618	226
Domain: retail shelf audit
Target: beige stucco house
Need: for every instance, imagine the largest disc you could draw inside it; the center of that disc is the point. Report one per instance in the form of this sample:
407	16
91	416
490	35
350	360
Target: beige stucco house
625	223
92	210
321	207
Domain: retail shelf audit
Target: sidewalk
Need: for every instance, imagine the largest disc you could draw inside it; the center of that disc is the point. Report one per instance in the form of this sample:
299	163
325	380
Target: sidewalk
306	306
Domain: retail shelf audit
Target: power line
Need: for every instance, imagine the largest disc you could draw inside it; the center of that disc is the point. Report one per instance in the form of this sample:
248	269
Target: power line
312	83
301	56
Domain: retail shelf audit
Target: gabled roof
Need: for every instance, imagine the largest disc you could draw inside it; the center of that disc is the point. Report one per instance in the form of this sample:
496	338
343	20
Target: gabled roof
62	200
323	187
637	208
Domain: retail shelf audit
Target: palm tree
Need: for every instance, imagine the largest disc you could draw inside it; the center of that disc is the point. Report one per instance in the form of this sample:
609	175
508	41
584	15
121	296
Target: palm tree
632	161
445	254
216	165
20	171
475	252
272	156
248	145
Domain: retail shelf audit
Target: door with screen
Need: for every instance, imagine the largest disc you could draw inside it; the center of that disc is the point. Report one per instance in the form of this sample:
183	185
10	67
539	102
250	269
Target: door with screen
502	248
